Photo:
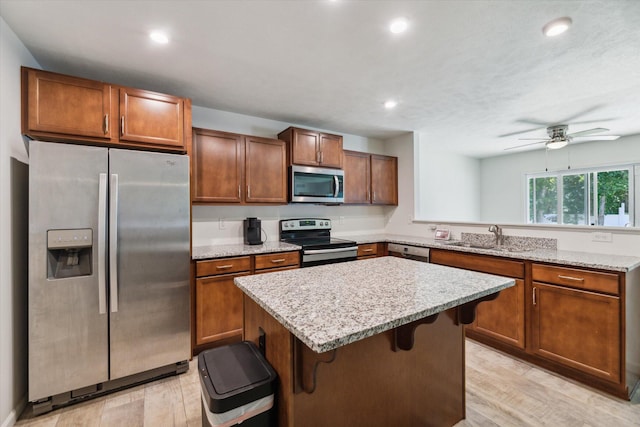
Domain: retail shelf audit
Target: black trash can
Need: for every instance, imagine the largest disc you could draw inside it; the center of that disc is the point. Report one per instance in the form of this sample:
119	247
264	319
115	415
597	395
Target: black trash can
238	386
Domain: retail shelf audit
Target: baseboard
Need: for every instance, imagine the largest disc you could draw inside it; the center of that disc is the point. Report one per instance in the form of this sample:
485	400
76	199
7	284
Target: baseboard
12	418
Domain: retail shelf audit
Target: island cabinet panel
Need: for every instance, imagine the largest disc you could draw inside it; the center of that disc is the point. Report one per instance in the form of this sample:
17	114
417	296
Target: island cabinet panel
218	166
366	383
502	319
312	148
266	170
151	118
66	105
64	108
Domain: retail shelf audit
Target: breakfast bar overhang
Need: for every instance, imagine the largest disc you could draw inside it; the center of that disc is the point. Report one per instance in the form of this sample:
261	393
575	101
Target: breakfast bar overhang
366	343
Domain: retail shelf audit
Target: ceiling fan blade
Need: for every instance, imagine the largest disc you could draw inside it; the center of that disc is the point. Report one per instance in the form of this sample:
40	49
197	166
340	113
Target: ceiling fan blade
582	113
585	122
519	132
587	132
533	122
597	138
532	139
524	145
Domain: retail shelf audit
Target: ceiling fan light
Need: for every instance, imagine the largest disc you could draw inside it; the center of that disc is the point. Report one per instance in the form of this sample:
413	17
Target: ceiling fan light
557	26
554	144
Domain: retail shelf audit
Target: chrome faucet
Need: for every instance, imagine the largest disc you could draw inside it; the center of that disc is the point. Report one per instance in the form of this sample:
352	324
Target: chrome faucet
495	229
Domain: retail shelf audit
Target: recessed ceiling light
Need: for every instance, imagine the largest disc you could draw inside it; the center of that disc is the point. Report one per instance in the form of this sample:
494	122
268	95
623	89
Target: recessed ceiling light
390	104
556	27
398	25
159	37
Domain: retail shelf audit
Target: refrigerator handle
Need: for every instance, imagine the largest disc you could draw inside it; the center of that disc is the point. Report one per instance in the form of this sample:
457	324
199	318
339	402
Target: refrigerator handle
102	244
113	242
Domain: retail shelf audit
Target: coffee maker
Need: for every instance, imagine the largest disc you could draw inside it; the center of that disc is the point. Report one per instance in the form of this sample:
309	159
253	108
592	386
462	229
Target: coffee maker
252	231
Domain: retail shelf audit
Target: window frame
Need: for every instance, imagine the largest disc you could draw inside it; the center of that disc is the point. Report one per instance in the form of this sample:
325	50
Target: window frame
590	196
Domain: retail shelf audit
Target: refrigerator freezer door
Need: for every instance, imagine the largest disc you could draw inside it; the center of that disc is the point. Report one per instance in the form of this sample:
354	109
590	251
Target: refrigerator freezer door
68	341
150	319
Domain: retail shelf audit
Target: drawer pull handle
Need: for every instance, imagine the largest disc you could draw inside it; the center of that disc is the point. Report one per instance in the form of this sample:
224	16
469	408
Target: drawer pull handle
224	267
275	261
534	296
367	250
576	279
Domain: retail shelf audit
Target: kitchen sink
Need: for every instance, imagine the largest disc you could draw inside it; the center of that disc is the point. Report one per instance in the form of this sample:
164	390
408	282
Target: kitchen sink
487	247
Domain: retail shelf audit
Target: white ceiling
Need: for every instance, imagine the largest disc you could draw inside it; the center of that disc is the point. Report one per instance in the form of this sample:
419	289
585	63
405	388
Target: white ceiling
464	73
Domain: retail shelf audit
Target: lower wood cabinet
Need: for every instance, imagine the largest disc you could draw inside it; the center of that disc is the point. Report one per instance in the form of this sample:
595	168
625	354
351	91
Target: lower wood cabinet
576	319
368	250
577	328
218	301
573	321
502	319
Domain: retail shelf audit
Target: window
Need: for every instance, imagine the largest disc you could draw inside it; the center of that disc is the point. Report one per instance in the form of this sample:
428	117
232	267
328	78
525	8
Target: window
602	196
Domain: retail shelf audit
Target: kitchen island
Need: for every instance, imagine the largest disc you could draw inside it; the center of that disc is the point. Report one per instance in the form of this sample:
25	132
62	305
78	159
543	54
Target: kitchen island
370	342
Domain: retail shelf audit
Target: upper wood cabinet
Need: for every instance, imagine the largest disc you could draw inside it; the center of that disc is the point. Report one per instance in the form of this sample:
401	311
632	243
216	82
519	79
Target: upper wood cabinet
357	177
233	168
72	109
370	178
312	148
54	103
152	118
217	166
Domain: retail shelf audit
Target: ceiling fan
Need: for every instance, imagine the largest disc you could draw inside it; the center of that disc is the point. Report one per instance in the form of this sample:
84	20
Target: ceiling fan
558	137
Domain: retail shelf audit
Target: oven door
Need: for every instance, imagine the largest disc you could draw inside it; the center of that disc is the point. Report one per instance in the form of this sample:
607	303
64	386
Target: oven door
312	257
316	185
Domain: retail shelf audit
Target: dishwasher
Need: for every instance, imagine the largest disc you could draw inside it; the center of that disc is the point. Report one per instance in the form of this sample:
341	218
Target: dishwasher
415	253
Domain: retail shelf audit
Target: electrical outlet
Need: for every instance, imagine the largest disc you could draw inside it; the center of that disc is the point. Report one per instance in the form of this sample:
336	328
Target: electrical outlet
410	219
601	237
221	224
341	220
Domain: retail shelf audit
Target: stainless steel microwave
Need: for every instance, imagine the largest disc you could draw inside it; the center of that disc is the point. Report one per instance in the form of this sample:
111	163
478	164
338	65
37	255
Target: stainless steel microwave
309	184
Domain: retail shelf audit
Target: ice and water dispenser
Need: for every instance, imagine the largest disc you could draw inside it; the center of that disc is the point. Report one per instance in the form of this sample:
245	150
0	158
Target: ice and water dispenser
69	253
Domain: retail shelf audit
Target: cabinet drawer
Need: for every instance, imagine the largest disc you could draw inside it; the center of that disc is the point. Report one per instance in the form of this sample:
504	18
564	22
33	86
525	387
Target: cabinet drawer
223	266
280	259
368	249
482	263
576	278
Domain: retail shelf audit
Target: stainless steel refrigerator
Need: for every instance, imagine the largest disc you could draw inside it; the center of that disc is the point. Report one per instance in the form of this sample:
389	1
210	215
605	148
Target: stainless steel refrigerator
108	269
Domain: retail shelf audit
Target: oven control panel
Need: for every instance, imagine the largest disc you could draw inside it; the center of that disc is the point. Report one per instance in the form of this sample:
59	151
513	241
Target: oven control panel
305	224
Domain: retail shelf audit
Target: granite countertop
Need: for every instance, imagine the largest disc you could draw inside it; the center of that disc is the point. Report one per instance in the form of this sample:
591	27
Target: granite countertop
572	258
219	251
333	305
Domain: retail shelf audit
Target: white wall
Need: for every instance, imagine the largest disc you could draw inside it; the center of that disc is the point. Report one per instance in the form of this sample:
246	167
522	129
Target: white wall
13	230
503	177
451	181
624	241
223	224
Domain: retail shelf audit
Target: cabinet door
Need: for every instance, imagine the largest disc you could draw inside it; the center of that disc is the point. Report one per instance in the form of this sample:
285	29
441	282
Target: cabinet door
330	151
503	318
217	166
266	170
305	147
67	106
577	328
218	308
357	173
384	180
151	118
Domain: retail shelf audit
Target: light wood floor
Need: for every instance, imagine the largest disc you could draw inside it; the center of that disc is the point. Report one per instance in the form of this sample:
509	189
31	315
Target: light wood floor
501	391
